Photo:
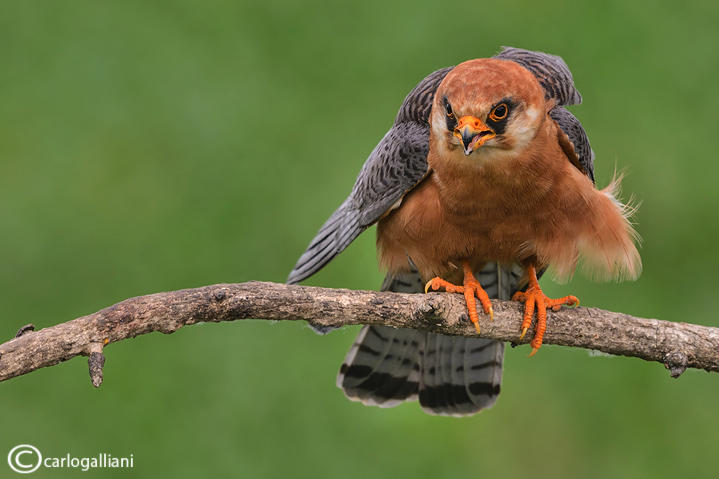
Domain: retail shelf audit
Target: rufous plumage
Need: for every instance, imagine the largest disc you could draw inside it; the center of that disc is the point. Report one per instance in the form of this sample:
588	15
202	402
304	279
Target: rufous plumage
484	181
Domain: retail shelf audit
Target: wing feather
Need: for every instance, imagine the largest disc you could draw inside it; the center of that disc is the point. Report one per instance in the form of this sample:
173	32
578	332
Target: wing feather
551	71
582	154
396	165
558	84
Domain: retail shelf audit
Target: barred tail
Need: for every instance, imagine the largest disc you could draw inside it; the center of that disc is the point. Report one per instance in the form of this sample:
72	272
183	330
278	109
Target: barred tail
450	375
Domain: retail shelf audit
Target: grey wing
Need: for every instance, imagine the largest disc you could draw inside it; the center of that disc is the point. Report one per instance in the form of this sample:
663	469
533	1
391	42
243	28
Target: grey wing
551	71
556	79
571	127
393	168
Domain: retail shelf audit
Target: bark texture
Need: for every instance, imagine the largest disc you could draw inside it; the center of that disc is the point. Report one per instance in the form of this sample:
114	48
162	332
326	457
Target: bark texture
676	345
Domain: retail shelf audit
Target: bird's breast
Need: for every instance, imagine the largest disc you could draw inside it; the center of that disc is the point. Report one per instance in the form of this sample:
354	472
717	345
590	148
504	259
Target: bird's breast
475	213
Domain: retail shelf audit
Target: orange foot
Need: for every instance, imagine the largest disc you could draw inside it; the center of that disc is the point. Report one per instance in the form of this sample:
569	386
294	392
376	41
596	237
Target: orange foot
470	289
535	295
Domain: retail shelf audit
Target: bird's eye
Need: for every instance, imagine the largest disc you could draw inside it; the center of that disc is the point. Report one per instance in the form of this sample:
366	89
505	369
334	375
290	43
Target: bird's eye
448	107
499	113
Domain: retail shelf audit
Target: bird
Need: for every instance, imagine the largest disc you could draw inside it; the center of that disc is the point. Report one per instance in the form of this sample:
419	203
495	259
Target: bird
484	182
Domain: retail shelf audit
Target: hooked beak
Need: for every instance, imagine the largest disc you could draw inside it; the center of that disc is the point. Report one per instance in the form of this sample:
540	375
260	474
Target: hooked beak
473	133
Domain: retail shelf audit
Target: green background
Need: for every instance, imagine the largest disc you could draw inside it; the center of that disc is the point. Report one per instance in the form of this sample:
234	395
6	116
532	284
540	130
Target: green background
155	146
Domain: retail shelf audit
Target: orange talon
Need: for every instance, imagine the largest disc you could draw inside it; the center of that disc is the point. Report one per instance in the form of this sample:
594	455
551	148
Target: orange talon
472	291
534	296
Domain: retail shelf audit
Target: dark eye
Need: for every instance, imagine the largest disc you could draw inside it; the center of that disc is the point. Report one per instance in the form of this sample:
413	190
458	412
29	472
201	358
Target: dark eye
499	113
448	107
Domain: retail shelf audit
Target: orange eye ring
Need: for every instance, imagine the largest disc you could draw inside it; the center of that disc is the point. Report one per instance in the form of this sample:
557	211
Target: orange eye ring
499	112
448	107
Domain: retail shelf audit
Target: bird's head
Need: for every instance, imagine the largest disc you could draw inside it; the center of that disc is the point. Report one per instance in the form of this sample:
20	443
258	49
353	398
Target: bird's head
487	106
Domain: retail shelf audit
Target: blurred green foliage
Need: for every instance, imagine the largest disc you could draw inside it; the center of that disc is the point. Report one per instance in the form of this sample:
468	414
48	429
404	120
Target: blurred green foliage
154	146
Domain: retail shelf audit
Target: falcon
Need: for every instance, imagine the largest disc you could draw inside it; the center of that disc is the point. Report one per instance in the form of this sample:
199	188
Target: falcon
484	181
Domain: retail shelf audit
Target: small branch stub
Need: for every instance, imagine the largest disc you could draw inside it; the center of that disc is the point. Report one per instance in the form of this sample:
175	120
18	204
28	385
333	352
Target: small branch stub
95	362
28	328
676	363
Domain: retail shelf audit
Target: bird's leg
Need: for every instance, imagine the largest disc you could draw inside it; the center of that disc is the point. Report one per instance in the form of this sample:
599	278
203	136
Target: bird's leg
535	296
471	289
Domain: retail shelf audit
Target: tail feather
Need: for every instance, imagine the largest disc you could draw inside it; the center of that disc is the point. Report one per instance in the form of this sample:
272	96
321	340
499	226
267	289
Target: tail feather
378	368
451	376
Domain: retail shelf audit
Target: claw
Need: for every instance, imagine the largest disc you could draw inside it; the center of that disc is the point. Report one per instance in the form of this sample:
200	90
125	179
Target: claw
524	331
533	298
472	291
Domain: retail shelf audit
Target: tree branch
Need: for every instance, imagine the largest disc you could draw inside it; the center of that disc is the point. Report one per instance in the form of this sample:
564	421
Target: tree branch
676	345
